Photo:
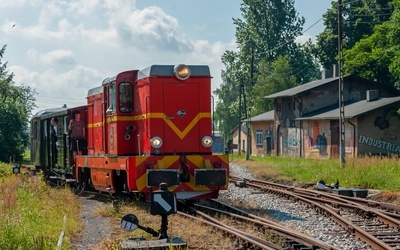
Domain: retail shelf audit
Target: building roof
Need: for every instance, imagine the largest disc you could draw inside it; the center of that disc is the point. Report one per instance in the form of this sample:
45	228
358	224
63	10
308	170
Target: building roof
351	110
267	116
243	129
305	87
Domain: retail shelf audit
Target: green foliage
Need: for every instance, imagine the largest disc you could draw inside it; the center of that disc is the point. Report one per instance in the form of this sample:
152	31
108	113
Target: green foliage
274	77
16	104
376	57
360	18
267	32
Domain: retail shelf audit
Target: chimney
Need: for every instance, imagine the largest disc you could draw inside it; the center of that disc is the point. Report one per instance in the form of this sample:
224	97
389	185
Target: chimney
372	95
326	73
335	70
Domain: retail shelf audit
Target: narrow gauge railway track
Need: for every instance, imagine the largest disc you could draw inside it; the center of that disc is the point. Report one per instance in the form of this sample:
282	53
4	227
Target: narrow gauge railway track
377	228
390	210
270	235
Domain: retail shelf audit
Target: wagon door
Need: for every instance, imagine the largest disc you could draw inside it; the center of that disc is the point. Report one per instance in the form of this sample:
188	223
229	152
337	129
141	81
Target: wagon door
181	109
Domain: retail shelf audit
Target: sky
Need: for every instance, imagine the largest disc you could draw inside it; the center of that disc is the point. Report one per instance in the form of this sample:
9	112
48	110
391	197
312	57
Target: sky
63	48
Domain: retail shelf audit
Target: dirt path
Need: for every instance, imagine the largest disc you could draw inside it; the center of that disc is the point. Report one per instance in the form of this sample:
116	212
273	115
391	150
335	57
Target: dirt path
96	228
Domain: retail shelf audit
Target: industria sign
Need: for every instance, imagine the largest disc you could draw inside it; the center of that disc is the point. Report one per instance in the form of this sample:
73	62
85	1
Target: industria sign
387	146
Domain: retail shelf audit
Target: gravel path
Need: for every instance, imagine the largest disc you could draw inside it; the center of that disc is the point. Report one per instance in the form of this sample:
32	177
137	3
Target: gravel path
96	228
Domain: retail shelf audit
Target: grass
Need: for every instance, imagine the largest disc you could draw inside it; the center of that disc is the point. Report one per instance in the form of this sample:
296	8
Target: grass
381	173
32	214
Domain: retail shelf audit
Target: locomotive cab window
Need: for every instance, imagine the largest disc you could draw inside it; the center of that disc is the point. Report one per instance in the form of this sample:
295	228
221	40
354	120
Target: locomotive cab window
125	97
111	99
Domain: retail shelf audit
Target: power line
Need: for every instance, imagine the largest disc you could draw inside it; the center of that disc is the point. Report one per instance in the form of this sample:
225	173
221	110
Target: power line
282	44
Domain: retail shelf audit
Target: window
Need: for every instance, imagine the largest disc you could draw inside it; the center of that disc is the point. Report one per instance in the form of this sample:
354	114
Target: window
35	132
259	137
125	97
65	126
111	99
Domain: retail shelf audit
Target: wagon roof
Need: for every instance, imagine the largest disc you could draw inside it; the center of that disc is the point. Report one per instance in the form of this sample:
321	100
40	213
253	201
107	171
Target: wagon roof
46	112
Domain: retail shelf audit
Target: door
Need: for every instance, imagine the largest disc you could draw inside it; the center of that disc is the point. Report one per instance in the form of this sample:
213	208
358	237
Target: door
181	125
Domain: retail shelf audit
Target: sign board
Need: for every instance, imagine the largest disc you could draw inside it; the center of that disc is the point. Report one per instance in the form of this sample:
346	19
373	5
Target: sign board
163	202
129	222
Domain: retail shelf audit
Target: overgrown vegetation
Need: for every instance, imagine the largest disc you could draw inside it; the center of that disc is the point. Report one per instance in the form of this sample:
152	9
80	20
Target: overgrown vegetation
33	215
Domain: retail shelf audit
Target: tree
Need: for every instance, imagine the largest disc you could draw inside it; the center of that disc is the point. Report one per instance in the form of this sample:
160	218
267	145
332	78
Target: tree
268	31
359	19
226	112
274	77
16	104
377	56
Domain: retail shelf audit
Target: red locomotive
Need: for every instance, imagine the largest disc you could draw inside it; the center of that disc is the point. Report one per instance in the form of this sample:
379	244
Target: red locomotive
143	127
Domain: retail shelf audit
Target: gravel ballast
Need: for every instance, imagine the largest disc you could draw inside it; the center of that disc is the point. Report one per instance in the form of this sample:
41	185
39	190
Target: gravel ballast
290	213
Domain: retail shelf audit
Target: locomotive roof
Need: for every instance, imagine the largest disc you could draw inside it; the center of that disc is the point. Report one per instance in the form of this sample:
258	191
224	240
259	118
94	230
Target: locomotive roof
95	91
168	70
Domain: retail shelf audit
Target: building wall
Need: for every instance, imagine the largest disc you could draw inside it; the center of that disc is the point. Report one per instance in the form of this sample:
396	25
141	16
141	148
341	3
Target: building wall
327	95
267	129
321	138
355	89
235	138
379	132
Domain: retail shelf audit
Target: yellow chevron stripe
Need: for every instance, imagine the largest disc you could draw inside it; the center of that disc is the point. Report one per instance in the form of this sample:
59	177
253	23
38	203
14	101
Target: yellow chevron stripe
180	133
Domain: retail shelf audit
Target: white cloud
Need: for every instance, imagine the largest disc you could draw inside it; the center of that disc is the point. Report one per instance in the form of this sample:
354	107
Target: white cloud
55	89
304	38
55	56
4	4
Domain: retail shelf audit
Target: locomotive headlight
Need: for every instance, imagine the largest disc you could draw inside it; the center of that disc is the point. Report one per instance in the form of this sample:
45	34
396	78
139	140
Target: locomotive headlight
156	142
182	72
207	141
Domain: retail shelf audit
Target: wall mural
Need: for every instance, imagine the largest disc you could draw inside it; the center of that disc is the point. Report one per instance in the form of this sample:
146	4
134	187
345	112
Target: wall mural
391	147
382	121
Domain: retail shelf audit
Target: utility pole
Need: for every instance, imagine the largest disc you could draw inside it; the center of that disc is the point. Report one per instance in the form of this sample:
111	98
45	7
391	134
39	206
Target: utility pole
248	111
341	88
240	118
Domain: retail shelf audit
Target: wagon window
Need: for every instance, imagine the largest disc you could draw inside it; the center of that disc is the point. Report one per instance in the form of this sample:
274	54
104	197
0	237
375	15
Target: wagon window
125	97
45	128
35	130
65	124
